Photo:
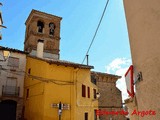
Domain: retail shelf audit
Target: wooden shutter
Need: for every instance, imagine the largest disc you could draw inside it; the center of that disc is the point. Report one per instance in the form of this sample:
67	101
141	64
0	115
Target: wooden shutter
88	92
83	90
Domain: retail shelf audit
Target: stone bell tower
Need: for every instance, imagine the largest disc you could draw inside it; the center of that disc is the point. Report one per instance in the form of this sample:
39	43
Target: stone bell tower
43	27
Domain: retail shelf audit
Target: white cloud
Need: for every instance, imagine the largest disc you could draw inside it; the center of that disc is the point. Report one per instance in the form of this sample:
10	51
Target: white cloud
117	63
119	67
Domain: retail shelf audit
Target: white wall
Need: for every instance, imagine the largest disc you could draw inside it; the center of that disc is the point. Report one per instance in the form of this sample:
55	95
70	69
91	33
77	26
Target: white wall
143	22
19	74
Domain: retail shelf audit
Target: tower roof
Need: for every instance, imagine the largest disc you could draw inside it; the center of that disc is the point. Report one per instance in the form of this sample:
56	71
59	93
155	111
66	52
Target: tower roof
41	14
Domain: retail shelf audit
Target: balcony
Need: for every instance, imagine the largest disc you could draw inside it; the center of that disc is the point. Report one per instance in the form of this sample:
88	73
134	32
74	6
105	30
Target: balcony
10	91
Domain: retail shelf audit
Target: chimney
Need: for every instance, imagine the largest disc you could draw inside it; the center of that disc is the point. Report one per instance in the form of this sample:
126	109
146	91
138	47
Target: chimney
40	47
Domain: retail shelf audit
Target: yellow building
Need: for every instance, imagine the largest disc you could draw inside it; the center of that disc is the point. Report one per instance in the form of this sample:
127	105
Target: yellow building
49	82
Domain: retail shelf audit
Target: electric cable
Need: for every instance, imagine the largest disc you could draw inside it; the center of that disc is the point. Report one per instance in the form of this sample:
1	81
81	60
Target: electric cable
58	82
96	31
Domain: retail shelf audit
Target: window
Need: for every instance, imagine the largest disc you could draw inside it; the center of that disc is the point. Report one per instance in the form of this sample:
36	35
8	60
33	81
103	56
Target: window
88	92
13	62
40	26
94	93
27	94
29	71
11	81
11	89
95	114
86	116
83	91
51	28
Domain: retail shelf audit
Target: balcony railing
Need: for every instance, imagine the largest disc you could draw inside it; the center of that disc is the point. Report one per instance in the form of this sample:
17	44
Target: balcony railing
10	91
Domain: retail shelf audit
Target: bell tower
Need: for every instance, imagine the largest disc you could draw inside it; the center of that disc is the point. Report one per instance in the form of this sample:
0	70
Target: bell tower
43	27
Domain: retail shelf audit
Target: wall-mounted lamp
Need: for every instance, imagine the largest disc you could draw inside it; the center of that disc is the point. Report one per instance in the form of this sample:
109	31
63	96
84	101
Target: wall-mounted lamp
98	95
6	54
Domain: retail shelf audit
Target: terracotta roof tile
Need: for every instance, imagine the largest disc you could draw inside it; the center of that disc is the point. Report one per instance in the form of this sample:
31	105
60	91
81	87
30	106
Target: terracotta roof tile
12	49
63	62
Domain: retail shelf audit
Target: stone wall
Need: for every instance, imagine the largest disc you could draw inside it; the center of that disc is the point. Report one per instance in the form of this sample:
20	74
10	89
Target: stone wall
110	96
51	42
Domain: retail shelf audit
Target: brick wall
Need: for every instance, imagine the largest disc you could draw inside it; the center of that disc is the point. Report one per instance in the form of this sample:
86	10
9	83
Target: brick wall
111	98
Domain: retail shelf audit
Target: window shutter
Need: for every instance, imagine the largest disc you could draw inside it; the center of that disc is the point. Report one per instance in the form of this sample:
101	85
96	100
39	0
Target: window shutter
83	91
94	93
88	92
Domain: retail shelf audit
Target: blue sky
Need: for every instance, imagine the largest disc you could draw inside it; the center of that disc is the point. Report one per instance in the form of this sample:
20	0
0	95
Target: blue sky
80	19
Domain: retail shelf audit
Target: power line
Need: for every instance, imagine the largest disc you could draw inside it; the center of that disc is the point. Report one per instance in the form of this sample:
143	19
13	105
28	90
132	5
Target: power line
58	82
96	31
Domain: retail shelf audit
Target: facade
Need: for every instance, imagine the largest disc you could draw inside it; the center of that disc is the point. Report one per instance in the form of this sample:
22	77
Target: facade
50	82
143	26
12	68
110	96
44	27
54	89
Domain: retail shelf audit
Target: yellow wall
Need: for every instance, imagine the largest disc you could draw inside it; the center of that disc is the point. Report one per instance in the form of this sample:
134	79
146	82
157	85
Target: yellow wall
85	104
43	94
34	104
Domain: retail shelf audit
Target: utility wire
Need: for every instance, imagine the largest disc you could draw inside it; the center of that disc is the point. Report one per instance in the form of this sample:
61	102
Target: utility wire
96	31
58	82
